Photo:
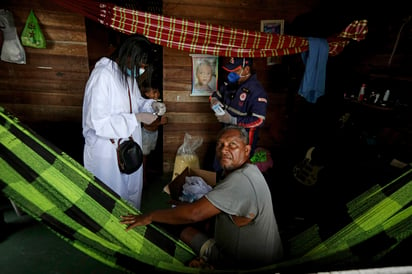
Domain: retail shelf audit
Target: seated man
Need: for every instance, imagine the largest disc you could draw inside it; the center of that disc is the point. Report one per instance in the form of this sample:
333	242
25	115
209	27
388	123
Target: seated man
245	232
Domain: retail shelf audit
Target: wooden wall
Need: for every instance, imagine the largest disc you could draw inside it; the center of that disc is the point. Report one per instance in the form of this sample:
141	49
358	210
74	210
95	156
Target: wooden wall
46	93
50	100
49	87
192	114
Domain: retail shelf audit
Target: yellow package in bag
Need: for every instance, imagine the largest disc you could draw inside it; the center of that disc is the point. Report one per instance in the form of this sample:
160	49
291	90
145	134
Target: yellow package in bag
32	36
186	154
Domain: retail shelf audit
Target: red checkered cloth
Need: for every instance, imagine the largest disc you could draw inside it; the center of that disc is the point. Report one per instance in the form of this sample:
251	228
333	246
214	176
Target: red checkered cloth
202	38
196	37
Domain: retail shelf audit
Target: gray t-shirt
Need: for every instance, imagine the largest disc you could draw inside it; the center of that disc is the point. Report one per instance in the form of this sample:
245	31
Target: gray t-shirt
244	192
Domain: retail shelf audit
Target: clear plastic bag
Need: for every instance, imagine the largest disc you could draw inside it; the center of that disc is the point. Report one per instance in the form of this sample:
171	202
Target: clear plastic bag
12	51
194	189
186	154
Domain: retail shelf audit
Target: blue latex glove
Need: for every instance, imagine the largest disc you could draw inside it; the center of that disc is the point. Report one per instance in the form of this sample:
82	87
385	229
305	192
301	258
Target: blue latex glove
227	118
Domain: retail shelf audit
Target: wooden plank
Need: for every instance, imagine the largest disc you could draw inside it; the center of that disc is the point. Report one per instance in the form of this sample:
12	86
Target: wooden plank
64	81
65	21
33	4
47	86
195	107
195	117
212	128
174	96
48	73
40	98
170	61
49	68
172	86
178	72
58	62
42	113
59	48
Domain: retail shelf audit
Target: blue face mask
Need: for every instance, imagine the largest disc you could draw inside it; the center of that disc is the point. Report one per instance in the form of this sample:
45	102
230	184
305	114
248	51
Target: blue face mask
233	77
129	72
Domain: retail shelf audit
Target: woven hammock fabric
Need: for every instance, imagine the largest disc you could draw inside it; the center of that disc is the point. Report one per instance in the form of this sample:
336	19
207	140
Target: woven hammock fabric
56	190
202	38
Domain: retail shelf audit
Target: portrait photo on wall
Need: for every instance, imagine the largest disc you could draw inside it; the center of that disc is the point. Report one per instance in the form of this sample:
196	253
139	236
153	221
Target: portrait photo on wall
204	74
274	27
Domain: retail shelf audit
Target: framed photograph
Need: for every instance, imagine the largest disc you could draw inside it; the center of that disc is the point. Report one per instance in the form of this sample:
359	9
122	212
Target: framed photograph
275	27
204	74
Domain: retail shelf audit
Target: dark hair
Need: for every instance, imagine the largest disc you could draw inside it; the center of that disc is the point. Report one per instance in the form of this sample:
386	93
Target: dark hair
146	89
134	52
242	132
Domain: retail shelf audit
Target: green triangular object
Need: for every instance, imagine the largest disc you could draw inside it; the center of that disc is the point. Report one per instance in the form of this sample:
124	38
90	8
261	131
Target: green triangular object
32	35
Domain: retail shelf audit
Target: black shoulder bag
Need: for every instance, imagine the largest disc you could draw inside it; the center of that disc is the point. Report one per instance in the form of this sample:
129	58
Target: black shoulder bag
129	153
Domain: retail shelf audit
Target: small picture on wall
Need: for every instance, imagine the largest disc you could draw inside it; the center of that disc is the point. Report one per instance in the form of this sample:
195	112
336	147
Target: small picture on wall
275	27
204	74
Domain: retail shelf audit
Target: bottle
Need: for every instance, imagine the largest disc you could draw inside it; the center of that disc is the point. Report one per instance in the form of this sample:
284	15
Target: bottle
377	98
361	93
217	108
386	96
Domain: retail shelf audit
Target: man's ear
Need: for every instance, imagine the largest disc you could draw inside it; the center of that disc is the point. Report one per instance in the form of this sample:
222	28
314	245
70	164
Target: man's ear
248	149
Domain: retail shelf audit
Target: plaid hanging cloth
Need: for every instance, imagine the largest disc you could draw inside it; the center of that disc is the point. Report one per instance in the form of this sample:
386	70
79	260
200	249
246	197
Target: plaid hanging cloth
202	38
196	37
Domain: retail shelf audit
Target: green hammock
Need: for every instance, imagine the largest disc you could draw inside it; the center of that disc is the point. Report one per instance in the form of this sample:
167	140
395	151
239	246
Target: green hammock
56	190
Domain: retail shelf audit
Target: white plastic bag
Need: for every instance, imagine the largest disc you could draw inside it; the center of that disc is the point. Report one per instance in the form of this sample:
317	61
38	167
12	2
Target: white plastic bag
12	51
194	189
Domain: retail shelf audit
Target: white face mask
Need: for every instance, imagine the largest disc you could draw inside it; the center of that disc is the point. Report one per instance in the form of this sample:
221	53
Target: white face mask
141	71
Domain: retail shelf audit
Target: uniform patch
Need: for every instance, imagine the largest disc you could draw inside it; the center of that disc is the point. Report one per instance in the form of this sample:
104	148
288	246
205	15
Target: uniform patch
260	99
243	96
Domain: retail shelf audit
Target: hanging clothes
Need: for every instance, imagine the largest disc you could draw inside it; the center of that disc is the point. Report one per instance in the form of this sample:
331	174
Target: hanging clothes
314	77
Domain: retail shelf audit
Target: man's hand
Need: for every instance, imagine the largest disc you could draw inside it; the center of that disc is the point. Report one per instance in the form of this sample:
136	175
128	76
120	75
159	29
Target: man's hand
146	117
132	220
227	118
214	101
159	108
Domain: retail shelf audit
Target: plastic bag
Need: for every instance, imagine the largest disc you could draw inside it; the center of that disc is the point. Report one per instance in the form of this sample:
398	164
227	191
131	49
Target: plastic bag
194	189
12	51
32	36
186	155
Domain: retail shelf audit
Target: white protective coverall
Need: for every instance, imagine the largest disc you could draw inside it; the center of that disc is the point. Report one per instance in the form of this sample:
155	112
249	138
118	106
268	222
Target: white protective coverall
106	115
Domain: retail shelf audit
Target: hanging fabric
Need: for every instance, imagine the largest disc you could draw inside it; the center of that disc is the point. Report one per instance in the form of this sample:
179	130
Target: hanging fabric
315	59
203	38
